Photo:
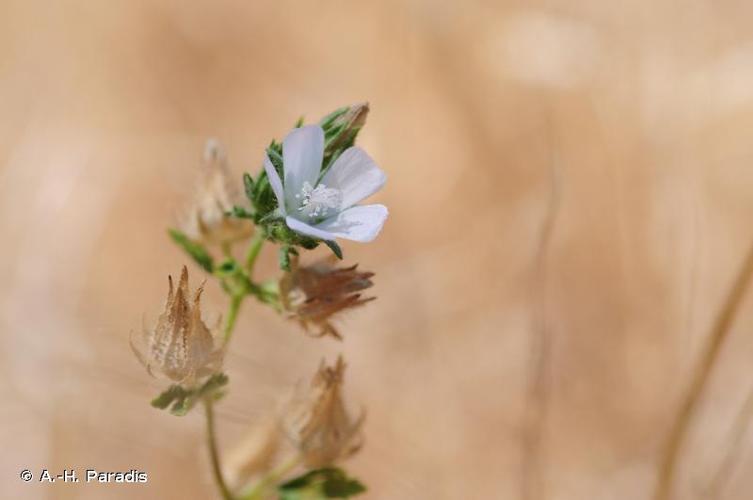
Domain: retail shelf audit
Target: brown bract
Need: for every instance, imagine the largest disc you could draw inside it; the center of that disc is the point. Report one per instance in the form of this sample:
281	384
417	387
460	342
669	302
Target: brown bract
319	425
207	220
180	346
314	294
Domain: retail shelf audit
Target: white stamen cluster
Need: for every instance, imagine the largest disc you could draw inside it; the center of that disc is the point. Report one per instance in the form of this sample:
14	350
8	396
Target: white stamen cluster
316	202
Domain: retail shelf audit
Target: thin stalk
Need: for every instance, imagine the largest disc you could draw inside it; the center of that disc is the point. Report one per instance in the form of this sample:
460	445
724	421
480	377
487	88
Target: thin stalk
275	476
227	250
700	378
248	287
213	454
253	251
232	315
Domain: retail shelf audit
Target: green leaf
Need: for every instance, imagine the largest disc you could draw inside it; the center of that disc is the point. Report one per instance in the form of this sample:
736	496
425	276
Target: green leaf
213	385
317	484
335	248
248	186
194	249
264	198
183	405
227	269
182	400
275	156
240	213
168	396
177	398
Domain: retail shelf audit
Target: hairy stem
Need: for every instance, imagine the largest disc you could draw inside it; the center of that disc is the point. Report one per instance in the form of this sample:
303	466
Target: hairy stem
213	453
710	355
253	251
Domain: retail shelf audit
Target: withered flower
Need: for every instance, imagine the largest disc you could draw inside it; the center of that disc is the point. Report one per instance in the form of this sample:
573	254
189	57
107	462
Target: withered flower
207	220
319	425
314	294
180	346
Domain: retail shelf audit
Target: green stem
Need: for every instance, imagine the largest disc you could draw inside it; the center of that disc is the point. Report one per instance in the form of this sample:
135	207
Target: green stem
253	251
213	454
271	479
226	250
232	315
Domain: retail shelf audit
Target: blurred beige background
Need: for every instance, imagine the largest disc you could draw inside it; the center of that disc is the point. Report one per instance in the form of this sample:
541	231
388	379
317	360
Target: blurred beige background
570	194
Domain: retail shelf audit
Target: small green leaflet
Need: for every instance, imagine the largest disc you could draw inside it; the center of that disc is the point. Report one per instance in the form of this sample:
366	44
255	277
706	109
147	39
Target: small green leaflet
320	484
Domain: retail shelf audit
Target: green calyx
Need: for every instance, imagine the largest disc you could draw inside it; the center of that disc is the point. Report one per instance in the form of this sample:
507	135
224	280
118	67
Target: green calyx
180	399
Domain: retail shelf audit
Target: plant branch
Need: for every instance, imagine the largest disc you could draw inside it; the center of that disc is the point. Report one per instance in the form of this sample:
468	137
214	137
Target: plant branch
232	315
253	251
268	481
213	454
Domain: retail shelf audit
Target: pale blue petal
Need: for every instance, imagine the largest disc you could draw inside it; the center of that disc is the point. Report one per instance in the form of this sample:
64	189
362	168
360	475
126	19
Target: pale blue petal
276	183
302	153
303	228
361	223
356	175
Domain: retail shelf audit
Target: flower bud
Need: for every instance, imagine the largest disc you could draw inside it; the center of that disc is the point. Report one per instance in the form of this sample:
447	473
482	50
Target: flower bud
319	425
343	128
180	346
207	220
314	294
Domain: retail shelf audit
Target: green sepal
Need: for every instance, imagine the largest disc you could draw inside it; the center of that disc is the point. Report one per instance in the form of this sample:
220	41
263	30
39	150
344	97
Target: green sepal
341	128
274	152
213	385
335	248
240	213
329	482
327	121
169	395
248	185
194	249
181	400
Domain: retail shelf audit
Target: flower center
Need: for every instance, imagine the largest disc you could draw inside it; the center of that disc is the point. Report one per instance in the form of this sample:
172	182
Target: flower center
317	202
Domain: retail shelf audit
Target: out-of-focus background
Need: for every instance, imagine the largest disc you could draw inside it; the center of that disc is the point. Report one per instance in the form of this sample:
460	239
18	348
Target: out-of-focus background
571	193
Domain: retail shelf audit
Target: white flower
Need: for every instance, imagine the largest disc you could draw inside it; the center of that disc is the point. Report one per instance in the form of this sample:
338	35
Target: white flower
326	208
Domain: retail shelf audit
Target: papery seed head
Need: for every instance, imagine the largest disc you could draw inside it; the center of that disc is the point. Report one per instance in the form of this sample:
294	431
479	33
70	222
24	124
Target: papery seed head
216	194
180	346
319	425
